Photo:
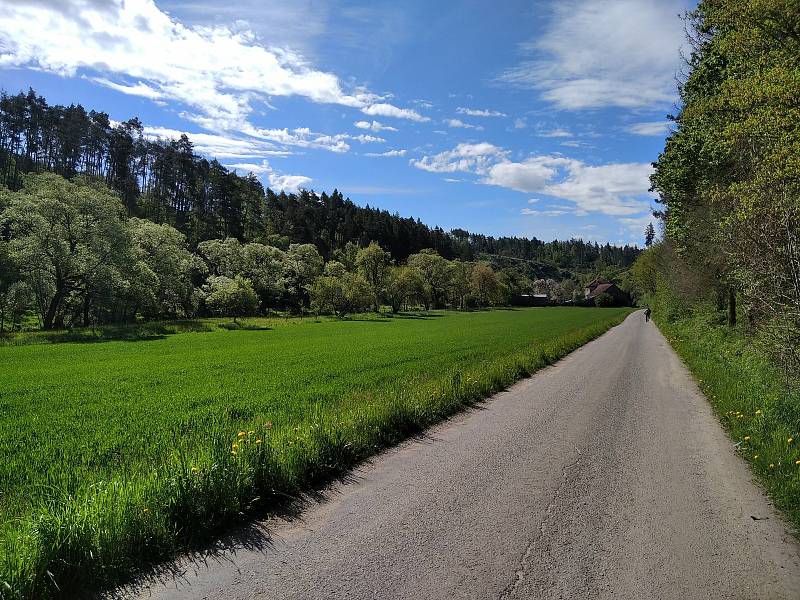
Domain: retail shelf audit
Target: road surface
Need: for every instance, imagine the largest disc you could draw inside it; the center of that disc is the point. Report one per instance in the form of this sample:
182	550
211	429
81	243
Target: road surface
603	476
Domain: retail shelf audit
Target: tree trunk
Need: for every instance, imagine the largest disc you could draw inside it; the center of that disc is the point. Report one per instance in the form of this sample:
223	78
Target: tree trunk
731	306
52	309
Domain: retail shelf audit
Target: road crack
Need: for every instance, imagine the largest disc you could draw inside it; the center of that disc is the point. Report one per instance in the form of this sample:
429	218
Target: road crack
519	573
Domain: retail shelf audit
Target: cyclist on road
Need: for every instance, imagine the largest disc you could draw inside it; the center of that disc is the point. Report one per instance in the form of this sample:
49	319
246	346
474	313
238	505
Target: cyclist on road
646	314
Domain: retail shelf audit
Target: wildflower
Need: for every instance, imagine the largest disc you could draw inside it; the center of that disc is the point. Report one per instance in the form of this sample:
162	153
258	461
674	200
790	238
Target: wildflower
233	452
242	434
758	412
790	440
771	465
250	432
797	462
755	456
235	447
747	438
195	470
146	510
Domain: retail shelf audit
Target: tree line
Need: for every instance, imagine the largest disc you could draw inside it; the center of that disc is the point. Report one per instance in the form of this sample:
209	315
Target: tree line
73	257
729	178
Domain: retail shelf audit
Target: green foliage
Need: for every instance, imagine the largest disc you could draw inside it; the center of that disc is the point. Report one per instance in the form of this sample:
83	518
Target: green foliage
373	262
163	446
341	294
235	297
603	300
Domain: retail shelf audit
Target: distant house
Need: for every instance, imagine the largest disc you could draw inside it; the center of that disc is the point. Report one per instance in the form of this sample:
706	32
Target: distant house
530	300
600	286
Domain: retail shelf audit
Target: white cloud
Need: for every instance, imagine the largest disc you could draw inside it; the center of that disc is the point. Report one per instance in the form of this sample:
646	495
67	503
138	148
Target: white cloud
613	189
367	139
464	157
219	145
533	200
597	53
459	123
135	48
650	128
475	112
555	133
382	109
374	126
278	182
543	213
387	154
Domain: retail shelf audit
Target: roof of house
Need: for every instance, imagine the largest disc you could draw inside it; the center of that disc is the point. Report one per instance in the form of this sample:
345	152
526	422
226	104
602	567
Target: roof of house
596	281
603	287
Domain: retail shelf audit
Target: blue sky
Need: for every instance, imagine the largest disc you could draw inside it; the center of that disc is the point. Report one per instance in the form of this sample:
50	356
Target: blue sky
519	118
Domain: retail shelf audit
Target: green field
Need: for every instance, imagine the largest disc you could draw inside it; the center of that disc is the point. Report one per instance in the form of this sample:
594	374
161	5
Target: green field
115	453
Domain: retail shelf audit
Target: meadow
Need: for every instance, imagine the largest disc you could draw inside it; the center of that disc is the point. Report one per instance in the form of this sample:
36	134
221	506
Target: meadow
118	453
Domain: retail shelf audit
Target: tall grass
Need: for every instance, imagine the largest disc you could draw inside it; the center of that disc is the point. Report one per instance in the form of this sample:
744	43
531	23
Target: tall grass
751	399
119	454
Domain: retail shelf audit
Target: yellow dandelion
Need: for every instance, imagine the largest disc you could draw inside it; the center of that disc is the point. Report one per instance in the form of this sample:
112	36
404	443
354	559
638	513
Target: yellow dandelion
233	452
235	447
250	432
195	470
755	456
797	462
242	433
146	510
759	412
747	438
258	441
771	465
790	440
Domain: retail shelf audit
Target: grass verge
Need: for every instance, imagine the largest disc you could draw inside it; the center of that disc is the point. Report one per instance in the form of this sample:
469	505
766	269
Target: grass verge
118	454
750	398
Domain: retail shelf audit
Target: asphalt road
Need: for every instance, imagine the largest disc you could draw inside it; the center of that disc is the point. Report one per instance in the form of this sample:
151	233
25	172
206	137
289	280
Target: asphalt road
604	476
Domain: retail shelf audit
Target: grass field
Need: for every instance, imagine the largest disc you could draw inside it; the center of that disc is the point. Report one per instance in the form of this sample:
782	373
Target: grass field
750	399
116	453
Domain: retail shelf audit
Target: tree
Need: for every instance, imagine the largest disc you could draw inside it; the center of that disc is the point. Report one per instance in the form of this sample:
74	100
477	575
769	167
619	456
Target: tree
230	297
603	300
484	283
64	234
459	282
649	235
402	283
302	264
342	294
373	263
162	250
435	275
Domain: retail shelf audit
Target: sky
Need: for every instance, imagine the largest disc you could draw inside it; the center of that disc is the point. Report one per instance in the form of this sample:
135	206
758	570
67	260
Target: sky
530	118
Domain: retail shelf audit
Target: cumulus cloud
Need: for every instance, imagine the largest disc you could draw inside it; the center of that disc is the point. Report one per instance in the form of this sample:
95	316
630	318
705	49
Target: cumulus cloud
597	53
650	128
460	124
135	48
278	182
475	112
387	154
614	189
374	126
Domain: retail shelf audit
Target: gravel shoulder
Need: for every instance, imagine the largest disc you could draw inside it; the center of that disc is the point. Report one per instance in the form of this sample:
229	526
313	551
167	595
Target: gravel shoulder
606	475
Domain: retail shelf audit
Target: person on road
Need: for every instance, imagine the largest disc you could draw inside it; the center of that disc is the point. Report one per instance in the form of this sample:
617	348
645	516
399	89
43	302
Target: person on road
646	314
